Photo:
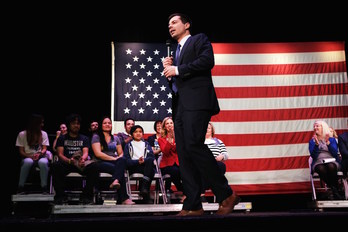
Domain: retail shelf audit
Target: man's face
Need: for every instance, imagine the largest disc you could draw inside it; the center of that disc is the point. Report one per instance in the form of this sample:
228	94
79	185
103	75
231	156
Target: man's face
177	28
75	126
129	125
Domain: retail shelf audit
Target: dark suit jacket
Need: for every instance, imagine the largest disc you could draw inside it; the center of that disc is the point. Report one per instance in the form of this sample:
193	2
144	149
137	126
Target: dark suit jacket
194	83
343	145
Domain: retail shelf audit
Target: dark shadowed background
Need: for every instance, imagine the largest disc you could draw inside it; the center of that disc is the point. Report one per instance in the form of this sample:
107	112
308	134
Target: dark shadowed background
57	58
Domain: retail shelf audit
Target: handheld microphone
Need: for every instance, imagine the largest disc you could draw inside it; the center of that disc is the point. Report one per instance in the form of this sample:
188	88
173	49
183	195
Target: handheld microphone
168	43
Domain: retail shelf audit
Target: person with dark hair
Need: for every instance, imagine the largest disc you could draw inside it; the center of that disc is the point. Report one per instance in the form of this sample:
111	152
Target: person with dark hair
72	149
108	152
93	127
194	102
63	129
153	139
140	159
125	136
32	146
343	149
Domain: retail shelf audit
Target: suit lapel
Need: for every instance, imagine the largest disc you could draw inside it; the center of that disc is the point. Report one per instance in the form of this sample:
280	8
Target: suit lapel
183	49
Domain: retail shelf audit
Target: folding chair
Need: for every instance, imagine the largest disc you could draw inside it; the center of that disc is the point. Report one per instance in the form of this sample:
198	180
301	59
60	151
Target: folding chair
319	185
105	195
135	178
75	182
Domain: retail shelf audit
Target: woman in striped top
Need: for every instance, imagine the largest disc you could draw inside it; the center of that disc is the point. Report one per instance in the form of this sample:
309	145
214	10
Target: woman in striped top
219	151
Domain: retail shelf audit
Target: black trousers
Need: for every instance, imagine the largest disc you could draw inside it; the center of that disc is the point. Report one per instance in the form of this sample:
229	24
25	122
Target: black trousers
195	158
59	171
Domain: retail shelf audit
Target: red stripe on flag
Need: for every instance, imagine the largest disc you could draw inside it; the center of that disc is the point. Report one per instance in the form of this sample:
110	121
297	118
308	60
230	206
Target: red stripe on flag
266	138
226	48
277	188
283	114
281	91
279	69
265	164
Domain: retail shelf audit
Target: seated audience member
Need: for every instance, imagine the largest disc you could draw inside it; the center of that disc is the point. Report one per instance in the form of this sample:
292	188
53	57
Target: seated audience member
169	163
72	150
140	159
343	148
333	133
62	131
32	145
92	129
108	152
322	147
125	136
153	139
219	151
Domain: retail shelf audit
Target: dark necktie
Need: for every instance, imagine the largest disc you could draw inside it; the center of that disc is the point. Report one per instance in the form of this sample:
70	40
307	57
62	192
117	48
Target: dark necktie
177	55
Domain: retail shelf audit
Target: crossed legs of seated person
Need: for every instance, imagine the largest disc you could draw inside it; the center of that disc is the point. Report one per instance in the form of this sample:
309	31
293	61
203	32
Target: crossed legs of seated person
328	173
116	168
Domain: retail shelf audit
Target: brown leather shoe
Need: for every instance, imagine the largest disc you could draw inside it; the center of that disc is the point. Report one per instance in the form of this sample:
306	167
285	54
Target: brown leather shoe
228	204
183	213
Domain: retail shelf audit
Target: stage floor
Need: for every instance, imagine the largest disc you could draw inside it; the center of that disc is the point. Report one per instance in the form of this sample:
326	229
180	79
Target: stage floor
270	212
237	220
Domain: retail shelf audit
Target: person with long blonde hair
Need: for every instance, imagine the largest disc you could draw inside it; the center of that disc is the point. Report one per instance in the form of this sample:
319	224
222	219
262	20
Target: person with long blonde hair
324	152
169	163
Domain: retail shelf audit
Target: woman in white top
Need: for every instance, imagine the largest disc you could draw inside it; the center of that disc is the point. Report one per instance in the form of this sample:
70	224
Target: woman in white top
32	146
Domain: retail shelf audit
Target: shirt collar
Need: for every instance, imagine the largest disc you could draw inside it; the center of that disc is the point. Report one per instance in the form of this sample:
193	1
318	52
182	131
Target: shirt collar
183	41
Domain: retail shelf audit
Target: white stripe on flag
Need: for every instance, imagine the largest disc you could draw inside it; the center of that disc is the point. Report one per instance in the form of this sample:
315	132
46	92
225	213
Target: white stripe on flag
279	80
282	102
118	126
260	152
279	58
274	126
250	127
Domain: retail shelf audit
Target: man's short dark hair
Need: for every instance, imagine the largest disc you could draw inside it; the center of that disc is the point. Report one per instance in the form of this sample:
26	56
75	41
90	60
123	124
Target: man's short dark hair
72	118
184	18
125	121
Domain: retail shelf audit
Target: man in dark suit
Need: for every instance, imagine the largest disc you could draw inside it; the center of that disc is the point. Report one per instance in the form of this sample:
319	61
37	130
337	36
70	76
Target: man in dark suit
343	149
194	102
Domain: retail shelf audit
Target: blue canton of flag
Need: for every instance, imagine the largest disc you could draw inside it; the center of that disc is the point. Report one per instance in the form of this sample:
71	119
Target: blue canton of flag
141	90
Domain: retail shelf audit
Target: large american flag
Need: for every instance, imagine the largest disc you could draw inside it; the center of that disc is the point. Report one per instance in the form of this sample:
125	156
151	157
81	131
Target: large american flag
270	94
